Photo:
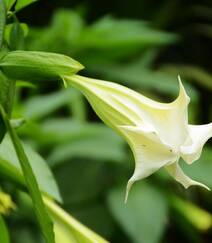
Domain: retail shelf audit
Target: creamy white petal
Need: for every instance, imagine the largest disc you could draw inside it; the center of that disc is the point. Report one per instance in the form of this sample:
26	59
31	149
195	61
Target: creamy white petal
171	124
118	105
178	174
155	131
198	136
149	152
115	104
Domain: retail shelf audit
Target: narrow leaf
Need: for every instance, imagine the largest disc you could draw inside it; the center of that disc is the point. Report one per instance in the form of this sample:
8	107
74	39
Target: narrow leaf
7	88
198	217
2	21
9	4
23	3
4	235
69	230
43	218
9	166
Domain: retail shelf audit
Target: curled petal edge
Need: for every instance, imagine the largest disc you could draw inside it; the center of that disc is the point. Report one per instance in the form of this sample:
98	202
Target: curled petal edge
199	135
177	173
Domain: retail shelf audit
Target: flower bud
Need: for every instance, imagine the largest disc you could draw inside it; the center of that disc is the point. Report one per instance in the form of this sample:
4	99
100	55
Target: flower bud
33	65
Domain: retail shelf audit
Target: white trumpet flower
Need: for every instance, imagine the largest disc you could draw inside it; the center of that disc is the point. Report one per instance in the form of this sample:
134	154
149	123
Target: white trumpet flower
158	133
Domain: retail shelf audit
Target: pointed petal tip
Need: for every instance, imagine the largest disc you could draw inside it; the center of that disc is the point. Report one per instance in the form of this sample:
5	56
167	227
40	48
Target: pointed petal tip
195	183
204	186
179	79
178	174
129	185
182	89
182	92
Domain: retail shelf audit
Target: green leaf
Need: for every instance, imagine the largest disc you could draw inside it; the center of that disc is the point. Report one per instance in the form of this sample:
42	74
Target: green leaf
197	216
9	4
96	215
16	38
3	102
23	3
2	21
4	235
144	217
7	89
61	36
111	39
135	75
7	92
94	148
81	190
40	106
110	32
42	216
65	226
192	73
106	39
61	130
9	164
9	27
69	230
201	169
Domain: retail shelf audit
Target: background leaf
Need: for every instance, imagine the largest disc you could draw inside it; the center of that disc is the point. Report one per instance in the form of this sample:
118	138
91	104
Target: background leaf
31	182
98	148
65	227
6	99
2	21
23	3
144	217
40	106
16	37
68	229
9	4
9	162
4	235
201	169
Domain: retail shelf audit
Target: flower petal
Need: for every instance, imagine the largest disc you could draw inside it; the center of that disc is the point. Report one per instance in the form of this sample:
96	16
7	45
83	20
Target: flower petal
198	134
178	174
149	152
117	105
171	122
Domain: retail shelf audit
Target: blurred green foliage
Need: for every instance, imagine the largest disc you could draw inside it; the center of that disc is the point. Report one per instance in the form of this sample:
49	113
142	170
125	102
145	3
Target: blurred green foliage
91	164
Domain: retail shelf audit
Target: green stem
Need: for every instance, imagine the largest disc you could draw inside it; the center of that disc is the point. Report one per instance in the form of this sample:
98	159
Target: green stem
31	182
